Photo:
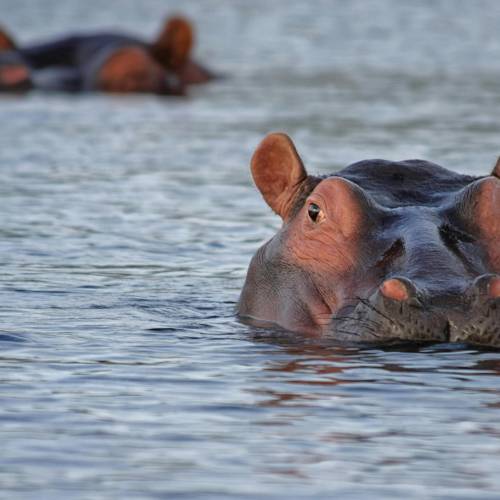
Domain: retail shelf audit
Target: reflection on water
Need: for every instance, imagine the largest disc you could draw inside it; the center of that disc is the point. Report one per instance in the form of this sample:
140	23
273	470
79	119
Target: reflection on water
363	417
126	229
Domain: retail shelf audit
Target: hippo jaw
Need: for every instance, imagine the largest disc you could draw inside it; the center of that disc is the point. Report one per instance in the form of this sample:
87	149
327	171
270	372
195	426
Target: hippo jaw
379	252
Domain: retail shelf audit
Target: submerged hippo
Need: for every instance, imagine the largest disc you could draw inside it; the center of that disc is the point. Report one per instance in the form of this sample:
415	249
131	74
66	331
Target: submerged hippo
122	70
380	251
106	61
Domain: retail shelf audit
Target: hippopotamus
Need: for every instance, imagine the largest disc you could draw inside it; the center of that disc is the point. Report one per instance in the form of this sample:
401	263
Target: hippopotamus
380	251
107	61
127	69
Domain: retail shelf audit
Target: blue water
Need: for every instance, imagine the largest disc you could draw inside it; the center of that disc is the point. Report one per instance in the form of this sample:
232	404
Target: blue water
126	225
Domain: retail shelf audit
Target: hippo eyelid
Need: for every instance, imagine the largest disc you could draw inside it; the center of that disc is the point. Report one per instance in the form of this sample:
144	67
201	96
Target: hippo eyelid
319	200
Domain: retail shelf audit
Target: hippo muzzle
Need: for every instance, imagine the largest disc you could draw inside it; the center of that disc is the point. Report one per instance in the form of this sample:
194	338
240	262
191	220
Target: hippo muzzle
379	252
397	311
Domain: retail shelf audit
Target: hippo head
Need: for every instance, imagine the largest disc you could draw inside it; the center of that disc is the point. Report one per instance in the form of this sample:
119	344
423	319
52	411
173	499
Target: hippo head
380	251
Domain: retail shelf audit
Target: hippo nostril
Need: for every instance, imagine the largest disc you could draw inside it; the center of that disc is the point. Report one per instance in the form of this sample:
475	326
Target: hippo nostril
396	289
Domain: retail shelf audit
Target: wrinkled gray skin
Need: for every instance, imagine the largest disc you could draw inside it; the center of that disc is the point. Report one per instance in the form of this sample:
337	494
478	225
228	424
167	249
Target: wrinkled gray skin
419	225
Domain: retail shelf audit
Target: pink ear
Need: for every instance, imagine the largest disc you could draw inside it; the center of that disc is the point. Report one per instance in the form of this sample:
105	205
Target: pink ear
496	169
278	172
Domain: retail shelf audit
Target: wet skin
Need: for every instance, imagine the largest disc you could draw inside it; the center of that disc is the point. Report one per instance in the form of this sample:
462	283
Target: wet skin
378	252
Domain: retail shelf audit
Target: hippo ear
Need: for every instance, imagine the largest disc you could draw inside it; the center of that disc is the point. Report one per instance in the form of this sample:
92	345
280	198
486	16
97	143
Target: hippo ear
496	169
278	172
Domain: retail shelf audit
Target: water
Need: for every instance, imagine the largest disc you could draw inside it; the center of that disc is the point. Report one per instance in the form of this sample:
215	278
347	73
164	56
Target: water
126	228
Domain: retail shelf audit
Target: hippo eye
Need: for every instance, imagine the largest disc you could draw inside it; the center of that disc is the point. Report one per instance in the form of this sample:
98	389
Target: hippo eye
314	211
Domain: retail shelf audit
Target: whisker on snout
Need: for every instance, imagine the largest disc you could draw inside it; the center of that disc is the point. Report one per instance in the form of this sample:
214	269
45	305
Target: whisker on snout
374	309
361	322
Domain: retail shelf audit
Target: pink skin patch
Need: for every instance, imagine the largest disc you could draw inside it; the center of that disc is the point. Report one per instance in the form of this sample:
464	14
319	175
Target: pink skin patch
327	247
487	215
394	289
13	75
494	289
130	69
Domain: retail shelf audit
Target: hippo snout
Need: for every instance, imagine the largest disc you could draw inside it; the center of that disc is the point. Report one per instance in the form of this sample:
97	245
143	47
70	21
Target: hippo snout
396	312
399	311
479	323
